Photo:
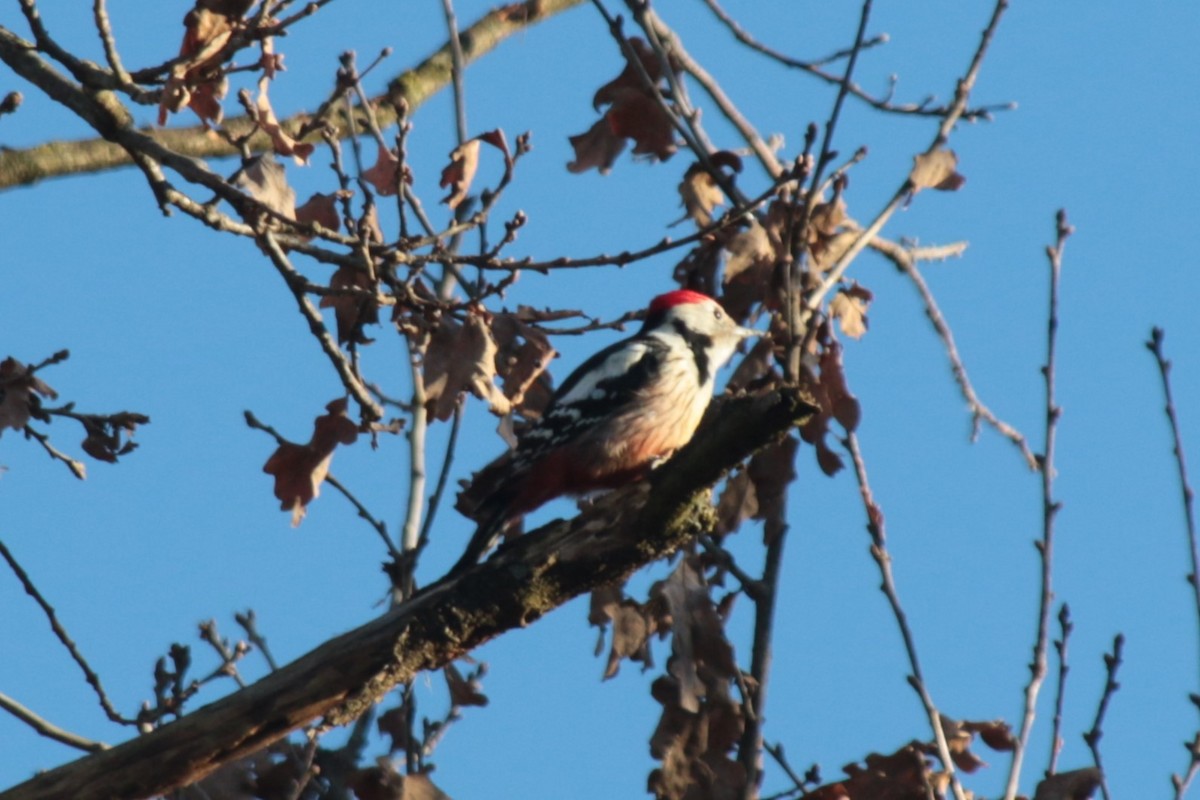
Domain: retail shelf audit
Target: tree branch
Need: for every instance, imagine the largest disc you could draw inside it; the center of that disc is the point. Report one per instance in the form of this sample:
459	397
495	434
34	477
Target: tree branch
534	574
414	87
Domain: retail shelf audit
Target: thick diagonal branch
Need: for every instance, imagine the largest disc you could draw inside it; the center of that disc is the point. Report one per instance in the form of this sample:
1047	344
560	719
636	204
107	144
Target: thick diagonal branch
535	574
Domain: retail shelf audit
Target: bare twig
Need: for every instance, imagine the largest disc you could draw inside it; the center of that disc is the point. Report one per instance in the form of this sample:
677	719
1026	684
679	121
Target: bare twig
1050	508
922	109
953	114
369	408
1060	648
415	505
1112	662
1155	345
906	261
249	623
458	63
61	633
883	559
77	467
49	729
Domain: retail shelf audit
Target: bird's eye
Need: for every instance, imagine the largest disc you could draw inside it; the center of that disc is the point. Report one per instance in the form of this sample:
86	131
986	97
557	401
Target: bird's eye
718	314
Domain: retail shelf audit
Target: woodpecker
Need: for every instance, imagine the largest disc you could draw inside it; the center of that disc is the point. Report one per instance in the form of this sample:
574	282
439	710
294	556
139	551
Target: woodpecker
620	414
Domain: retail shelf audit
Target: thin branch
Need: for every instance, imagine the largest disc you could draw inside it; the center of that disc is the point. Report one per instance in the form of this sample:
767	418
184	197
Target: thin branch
369	408
104	28
1060	649
78	468
1050	508
905	260
61	633
49	729
249	623
22	167
953	114
1112	662
414	507
883	559
1155	345
923	109
457	68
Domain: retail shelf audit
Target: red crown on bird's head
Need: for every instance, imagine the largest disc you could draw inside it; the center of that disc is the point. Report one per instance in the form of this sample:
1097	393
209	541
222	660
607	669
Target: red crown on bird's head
676	298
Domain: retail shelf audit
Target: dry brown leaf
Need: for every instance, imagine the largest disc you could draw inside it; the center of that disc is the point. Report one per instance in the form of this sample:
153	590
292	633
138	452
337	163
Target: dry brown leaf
738	503
393	723
631	76
384	782
462	358
523	355
700	195
638	116
198	81
849	308
266	181
19	390
299	469
936	170
351	312
772	470
463	691
322	210
597	148
632	629
281	141
749	253
464	160
1078	784
384	175
698	638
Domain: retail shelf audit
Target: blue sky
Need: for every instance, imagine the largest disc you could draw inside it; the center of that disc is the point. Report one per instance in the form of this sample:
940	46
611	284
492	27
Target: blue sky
164	317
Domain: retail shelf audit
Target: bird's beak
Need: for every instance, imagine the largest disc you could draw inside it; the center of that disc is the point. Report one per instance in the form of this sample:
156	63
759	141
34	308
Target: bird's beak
749	333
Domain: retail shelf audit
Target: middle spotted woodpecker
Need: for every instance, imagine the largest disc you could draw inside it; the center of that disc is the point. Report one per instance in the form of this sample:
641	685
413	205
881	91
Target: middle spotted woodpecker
621	413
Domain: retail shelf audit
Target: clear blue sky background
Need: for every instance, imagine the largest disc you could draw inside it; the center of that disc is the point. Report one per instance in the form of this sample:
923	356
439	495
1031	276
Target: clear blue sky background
165	317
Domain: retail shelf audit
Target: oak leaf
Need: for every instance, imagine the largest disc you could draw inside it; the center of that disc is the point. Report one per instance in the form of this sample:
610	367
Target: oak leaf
198	80
384	175
299	469
936	170
462	358
463	691
266	181
281	141
352	312
19	391
700	195
849	308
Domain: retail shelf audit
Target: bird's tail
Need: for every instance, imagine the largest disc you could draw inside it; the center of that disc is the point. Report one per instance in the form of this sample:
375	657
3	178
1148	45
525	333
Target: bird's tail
486	536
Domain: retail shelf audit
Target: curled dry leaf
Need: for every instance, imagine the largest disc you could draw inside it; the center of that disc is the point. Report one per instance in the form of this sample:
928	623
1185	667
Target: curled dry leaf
463	691
462	358
750	255
700	195
1078	784
19	391
738	503
352	312
198	80
634	113
320	209
281	141
597	148
834	401
384	175
849	308
393	723
936	170
299	469
523	355
266	181
698	642
384	782
464	161
771	471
